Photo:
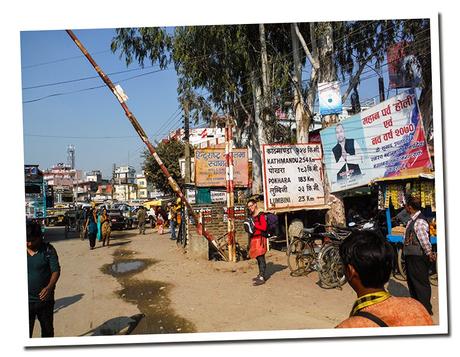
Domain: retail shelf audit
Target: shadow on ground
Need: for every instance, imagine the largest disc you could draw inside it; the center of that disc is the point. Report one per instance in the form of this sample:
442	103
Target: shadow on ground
122	325
395	288
57	233
273	269
118	244
66	301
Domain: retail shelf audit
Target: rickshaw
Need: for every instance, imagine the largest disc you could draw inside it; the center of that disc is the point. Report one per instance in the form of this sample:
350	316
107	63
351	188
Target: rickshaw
72	221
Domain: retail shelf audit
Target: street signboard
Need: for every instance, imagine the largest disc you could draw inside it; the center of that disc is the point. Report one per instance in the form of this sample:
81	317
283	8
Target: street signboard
293	176
210	167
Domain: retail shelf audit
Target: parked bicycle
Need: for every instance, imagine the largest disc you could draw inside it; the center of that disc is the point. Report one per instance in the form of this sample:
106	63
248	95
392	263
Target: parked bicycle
318	251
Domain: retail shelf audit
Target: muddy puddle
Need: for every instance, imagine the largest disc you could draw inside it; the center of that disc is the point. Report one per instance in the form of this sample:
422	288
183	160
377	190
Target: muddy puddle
151	297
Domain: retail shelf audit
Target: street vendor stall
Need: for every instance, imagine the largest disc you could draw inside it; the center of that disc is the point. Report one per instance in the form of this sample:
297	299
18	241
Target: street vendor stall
392	194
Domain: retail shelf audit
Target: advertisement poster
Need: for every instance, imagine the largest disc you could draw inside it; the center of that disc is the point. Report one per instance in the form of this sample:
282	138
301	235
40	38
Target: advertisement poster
330	100
293	176
210	167
403	68
379	142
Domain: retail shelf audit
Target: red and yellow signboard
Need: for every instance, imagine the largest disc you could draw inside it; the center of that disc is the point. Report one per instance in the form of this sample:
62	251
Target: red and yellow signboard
210	167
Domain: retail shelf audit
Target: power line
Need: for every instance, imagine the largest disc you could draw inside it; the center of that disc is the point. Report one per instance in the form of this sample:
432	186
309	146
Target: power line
90	88
82	79
60	60
342	84
97	87
81	137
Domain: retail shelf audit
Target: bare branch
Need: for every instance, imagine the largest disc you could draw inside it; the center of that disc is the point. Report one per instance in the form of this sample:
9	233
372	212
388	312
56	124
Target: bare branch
305	48
355	79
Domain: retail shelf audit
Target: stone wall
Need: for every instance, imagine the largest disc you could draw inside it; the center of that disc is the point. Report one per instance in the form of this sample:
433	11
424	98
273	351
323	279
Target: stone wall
215	222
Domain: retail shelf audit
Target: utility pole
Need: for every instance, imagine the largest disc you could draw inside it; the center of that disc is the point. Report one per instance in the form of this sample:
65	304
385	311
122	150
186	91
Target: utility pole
381	90
188	164
230	190
140	131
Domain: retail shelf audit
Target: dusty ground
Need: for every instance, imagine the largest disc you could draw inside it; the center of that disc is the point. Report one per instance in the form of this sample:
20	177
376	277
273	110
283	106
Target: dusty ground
95	296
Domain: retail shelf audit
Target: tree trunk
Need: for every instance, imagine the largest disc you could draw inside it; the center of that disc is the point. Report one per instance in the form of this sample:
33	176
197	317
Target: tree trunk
261	106
426	110
300	117
265	74
266	85
336	214
258	137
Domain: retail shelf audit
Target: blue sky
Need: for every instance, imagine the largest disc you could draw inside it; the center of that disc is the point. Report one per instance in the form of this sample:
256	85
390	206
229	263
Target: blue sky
46	14
91	119
51	124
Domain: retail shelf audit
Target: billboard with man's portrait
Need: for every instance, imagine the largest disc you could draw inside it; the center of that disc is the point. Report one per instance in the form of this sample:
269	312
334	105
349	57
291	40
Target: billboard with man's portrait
382	141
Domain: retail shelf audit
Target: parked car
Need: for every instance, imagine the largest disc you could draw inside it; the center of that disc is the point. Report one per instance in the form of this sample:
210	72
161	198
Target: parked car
127	213
118	220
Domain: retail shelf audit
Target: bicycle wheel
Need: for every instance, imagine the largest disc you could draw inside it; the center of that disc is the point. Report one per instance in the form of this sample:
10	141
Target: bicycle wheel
300	257
331	271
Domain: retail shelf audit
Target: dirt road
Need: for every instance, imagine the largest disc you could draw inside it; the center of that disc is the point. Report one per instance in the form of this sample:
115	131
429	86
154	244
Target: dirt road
144	284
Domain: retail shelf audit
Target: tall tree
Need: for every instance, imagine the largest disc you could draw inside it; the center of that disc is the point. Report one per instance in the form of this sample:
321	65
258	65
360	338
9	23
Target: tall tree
170	152
248	70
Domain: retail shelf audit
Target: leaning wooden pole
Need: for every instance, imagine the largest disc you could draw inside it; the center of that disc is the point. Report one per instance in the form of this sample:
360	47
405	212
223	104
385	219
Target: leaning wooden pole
149	145
230	191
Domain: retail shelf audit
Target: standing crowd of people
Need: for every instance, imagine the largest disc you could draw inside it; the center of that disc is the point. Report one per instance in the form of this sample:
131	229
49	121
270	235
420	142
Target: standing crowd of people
367	257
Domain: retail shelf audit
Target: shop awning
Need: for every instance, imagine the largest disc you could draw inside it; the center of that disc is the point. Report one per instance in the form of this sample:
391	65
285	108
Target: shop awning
427	175
155	203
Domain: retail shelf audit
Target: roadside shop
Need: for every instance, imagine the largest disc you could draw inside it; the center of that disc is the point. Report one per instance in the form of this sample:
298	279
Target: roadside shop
392	193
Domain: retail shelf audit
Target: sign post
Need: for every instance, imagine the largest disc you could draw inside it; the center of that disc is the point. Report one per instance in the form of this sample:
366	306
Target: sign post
230	193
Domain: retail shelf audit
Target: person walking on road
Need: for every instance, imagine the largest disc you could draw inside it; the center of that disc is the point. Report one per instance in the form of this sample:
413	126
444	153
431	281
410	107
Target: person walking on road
159	220
418	254
172	220
105	227
43	271
368	262
141	218
91	226
258	243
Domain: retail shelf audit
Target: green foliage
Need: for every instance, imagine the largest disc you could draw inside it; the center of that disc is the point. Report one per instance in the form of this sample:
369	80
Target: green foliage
152	43
170	152
215	64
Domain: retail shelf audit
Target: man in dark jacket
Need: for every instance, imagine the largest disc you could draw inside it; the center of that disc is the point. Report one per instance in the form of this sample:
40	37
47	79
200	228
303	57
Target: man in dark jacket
43	272
418	254
347	155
